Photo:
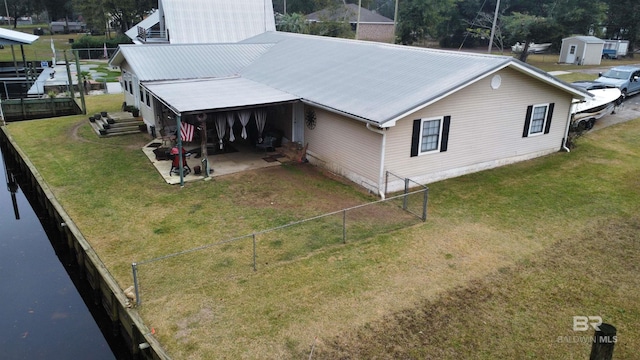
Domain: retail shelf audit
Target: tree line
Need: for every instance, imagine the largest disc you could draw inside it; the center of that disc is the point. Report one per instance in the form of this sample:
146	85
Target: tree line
452	23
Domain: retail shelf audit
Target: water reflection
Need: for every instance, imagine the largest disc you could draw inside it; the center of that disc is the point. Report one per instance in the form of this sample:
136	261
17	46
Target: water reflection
43	314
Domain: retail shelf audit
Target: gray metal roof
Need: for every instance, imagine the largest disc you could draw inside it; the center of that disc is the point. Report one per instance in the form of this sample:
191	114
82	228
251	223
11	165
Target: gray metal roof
187	61
11	37
222	93
373	82
349	13
216	21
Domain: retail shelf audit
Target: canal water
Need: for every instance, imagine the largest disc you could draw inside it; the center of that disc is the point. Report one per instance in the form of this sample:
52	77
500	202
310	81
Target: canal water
46	310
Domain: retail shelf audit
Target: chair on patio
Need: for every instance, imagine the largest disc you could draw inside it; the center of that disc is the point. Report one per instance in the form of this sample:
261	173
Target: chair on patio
267	144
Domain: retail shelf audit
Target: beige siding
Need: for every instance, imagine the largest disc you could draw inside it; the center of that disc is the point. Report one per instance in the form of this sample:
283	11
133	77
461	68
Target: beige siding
346	147
376	32
485	132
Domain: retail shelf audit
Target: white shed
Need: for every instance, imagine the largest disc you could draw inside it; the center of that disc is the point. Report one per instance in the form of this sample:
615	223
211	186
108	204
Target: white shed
581	50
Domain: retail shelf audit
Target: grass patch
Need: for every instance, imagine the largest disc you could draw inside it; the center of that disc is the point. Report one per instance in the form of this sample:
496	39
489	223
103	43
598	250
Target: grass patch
510	247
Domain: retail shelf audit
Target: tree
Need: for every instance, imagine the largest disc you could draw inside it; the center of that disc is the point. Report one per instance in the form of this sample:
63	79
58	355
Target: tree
295	23
530	28
623	19
20	8
418	19
580	17
121	14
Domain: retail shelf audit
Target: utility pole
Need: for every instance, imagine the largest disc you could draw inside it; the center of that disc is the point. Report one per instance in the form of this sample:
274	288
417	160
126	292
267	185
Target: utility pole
395	21
493	27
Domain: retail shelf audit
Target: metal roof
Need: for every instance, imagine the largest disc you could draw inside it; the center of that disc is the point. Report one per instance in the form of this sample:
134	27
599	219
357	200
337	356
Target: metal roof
223	94
11	37
368	81
187	61
216	21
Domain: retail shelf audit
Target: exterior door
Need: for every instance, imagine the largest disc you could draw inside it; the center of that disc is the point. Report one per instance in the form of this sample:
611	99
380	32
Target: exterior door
571	56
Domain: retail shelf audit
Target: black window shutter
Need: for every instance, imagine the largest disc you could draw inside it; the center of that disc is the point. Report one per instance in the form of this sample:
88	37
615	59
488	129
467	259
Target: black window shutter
549	115
527	121
445	133
415	137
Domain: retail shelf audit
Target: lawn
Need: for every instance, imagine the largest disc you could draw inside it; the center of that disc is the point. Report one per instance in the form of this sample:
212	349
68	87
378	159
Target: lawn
505	260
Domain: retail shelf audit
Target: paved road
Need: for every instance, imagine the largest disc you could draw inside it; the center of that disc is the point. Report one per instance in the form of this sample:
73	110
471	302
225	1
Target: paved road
628	110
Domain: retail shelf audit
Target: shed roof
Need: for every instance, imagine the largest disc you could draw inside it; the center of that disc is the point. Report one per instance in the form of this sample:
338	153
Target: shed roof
11	37
586	38
226	90
216	21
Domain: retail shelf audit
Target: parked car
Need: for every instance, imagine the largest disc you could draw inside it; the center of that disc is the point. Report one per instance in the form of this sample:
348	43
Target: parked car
625	78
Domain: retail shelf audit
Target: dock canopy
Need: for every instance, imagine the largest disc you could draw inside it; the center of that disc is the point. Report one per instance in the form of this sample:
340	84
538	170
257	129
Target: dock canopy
10	37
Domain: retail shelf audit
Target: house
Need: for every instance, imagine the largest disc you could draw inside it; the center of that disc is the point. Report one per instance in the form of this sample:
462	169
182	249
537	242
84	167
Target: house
204	21
367	24
362	108
57	27
581	50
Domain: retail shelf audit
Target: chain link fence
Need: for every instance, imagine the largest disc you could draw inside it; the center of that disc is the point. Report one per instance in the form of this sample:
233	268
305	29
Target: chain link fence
237	257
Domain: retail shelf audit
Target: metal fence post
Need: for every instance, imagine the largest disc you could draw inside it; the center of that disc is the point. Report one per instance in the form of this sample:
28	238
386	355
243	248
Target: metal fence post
344	226
254	252
424	204
134	267
406	191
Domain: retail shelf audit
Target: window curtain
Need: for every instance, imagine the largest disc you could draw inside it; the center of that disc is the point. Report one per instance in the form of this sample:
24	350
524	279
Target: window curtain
261	118
244	117
221	128
230	120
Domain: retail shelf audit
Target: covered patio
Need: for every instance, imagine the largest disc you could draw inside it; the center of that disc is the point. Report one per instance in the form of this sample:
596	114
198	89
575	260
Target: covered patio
243	159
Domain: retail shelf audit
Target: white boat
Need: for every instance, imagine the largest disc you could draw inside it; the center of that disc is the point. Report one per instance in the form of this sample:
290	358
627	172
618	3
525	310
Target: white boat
604	101
533	48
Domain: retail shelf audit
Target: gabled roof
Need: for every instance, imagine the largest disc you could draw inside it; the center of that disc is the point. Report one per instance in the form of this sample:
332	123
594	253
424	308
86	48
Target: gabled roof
371	82
153	62
587	39
216	21
349	13
11	37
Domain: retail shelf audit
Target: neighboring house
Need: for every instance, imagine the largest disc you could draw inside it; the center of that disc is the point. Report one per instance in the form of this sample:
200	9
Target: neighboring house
363	108
581	50
204	21
370	25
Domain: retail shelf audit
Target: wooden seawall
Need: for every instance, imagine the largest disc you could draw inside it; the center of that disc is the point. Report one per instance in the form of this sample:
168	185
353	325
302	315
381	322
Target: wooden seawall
125	320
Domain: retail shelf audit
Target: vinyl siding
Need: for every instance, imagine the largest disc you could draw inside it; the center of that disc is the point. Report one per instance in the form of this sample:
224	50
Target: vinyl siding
485	131
345	147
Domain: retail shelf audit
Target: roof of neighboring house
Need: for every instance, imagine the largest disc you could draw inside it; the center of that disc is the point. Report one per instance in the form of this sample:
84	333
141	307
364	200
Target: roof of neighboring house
153	62
11	37
372	82
216	21
226	90
587	39
349	13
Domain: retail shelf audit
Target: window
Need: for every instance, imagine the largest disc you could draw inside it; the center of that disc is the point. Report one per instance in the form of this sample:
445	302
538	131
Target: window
126	88
141	95
148	101
130	88
430	135
538	119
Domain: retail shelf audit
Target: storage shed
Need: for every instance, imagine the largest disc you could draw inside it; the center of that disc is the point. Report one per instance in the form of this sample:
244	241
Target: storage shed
581	50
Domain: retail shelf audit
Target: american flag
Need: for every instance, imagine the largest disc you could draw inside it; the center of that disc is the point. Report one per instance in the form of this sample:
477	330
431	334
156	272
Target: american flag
186	131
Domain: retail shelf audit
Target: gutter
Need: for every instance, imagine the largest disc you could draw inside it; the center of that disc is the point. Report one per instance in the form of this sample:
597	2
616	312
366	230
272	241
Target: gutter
566	131
382	152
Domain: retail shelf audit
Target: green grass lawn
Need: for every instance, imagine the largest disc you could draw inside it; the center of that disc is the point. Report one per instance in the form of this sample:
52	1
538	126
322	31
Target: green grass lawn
505	260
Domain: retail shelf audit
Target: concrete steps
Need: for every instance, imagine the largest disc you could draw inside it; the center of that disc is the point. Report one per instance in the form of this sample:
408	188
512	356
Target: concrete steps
115	124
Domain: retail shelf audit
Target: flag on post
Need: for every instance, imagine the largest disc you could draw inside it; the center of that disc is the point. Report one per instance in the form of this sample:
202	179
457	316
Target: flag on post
106	54
186	131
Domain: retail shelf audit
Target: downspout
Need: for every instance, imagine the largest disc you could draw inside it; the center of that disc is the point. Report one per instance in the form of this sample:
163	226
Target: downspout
382	152
566	131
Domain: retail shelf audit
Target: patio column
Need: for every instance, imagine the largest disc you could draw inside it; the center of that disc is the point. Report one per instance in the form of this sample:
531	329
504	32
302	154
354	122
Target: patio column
179	137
